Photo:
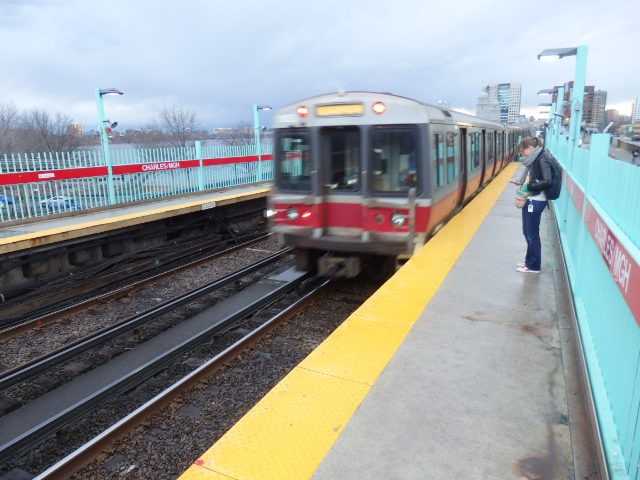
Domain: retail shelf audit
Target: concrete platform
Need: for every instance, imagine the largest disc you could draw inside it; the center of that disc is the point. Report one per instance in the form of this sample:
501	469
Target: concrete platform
478	390
44	230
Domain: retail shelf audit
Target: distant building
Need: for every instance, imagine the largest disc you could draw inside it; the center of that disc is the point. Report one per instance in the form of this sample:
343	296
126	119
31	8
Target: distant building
501	102
593	116
75	129
488	109
594	104
635	110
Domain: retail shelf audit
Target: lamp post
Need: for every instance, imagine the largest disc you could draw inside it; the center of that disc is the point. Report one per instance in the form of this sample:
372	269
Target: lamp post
577	96
256	132
104	138
558	116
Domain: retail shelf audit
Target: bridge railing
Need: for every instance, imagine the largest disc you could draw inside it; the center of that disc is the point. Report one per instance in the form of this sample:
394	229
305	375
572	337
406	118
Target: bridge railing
36	185
598	215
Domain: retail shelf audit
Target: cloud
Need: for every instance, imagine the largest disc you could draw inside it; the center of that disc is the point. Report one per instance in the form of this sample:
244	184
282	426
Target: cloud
219	58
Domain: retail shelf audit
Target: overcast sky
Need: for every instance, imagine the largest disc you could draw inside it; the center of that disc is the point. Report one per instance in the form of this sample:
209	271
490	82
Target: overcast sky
218	58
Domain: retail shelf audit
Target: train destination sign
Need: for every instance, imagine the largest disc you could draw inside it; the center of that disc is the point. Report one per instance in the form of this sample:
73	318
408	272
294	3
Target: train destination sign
340	109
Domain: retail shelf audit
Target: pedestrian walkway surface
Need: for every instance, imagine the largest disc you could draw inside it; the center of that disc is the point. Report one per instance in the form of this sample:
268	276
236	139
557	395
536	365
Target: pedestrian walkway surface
477	390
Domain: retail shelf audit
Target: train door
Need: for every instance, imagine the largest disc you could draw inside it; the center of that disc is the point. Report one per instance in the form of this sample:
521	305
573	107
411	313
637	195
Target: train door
340	175
462	185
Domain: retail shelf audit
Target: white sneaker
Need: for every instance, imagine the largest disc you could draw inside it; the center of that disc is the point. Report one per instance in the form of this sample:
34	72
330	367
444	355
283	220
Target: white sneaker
526	270
521	264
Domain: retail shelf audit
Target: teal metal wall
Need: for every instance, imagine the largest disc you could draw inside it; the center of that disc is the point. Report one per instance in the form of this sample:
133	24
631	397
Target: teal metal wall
598	215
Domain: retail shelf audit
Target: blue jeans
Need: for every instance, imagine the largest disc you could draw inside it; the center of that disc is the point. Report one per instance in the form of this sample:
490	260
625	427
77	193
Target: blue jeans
531	232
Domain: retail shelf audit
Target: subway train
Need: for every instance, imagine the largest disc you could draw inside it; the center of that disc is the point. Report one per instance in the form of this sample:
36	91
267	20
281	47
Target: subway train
363	179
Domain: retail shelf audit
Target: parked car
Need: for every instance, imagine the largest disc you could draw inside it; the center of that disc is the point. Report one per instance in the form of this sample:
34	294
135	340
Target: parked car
4	201
59	202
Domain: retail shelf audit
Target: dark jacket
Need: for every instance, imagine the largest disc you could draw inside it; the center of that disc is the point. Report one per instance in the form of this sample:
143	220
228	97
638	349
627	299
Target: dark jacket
541	173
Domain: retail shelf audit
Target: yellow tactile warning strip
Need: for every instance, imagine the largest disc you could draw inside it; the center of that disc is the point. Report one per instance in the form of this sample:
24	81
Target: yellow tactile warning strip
289	432
59	234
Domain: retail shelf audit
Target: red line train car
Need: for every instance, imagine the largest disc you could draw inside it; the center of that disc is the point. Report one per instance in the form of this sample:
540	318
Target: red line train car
363	179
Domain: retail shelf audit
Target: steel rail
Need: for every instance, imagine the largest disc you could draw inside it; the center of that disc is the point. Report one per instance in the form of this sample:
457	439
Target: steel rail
41	364
19	324
128	381
76	460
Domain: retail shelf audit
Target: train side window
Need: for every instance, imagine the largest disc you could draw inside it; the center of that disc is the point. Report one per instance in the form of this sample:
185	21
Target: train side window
293	161
452	164
438	159
475	150
490	147
394	159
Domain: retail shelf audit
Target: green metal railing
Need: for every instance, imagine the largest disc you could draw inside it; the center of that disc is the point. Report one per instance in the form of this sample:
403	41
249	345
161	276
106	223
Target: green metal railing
598	215
36	185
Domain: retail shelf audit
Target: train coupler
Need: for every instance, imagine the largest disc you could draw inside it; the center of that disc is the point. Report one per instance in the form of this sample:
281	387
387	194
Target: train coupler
339	267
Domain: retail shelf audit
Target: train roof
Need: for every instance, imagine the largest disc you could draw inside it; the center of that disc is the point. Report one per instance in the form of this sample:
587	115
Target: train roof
356	108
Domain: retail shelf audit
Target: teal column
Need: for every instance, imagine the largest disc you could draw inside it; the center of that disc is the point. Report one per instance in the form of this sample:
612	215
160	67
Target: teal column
559	120
198	145
577	97
256	133
559	111
104	139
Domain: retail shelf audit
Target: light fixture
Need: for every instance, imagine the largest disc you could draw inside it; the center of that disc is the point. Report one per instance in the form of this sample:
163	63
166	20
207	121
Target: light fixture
577	94
256	130
110	91
552	54
106	127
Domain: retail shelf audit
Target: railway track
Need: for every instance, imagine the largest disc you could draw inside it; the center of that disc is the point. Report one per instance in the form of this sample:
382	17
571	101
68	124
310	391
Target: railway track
44	306
159	413
95	448
46	362
24	428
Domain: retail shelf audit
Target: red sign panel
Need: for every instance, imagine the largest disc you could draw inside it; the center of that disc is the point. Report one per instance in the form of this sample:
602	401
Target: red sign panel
624	269
88	172
48	175
154	167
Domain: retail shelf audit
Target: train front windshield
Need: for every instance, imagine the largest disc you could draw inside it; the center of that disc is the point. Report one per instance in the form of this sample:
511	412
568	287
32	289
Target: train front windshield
294	149
392	157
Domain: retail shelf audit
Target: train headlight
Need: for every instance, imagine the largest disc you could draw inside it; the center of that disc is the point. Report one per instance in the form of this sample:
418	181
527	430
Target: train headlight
398	219
302	111
293	213
379	108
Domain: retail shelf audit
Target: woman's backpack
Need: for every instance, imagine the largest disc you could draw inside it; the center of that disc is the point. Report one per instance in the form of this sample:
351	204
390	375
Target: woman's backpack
554	190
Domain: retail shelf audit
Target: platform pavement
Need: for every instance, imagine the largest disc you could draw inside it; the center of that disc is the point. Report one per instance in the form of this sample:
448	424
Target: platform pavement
21	235
484	385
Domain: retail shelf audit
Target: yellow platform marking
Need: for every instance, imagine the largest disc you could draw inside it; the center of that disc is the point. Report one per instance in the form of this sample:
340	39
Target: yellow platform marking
43	237
290	431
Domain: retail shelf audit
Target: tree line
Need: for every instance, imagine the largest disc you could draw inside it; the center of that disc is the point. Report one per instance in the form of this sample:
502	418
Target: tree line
38	131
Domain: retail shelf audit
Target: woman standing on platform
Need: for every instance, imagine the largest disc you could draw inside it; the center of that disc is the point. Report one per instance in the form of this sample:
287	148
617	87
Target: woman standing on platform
536	179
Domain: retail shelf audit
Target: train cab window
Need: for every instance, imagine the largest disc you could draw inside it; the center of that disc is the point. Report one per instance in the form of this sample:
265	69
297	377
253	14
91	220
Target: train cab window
452	162
438	159
293	161
341	156
394	159
475	150
490	147
500	146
